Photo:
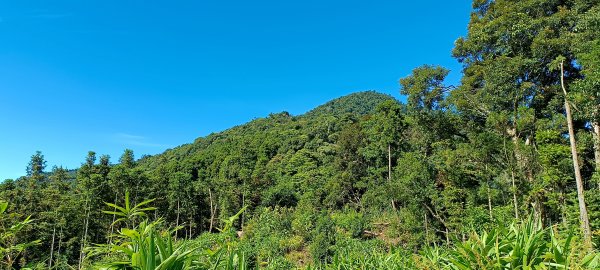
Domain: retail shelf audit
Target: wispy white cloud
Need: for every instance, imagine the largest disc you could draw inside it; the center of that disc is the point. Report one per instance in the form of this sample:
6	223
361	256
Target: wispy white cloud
130	139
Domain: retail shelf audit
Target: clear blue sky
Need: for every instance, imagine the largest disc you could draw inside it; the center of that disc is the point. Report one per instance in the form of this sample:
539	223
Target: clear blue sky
150	75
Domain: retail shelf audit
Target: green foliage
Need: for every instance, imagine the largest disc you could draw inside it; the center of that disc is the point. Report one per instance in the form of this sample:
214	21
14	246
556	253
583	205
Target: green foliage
147	245
362	181
425	88
368	260
269	235
350	223
323	239
522	246
142	243
144	247
361	103
10	246
127	213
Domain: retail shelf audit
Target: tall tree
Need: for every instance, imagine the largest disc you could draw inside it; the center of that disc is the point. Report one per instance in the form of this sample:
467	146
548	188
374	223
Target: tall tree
583	214
587	89
36	166
507	83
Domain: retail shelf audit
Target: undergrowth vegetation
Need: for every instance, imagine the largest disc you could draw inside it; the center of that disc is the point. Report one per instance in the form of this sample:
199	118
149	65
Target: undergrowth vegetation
270	244
501	171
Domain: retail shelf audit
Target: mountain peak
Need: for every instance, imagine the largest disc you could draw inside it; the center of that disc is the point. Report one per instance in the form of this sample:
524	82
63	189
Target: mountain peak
360	103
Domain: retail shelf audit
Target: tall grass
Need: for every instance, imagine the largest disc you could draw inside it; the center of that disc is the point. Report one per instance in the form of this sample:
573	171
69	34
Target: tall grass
525	245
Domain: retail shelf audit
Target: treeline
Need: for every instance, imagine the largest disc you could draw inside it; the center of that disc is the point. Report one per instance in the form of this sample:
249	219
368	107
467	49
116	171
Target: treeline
519	137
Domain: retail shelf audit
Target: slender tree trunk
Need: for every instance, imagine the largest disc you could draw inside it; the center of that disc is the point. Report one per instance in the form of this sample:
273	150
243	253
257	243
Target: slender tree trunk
191	223
522	164
537	207
441	220
563	209
426	229
447	236
59	246
243	204
83	242
389	162
521	160
212	212
390	172
514	186
585	223
177	226
514	192
52	247
113	220
489	195
596	135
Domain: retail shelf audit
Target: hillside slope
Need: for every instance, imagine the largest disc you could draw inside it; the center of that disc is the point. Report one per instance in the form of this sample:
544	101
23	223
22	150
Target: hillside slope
354	105
269	161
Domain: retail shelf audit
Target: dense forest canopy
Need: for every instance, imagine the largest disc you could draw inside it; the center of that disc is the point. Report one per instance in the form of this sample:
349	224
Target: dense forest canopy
364	179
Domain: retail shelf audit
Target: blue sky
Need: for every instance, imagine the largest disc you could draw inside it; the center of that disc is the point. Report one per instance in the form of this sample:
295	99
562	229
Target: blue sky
150	75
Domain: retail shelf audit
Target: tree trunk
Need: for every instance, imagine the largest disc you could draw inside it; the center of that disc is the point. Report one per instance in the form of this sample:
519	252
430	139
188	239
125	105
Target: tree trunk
390	171
426	229
191	224
514	187
243	204
489	195
83	242
441	220
113	221
212	212
177	225
522	165
389	162
52	247
596	135
537	206
192	221
59	246
447	236
583	215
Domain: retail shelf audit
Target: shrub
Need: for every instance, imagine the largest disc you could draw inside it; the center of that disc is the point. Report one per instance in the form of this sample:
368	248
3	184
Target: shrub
323	240
350	223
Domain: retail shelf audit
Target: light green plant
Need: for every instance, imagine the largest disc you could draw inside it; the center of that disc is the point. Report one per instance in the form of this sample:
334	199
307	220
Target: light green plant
525	245
226	255
146	247
129	214
143	246
10	246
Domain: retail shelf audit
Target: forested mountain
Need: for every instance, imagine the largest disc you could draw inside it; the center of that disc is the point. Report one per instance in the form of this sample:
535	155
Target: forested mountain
364	181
